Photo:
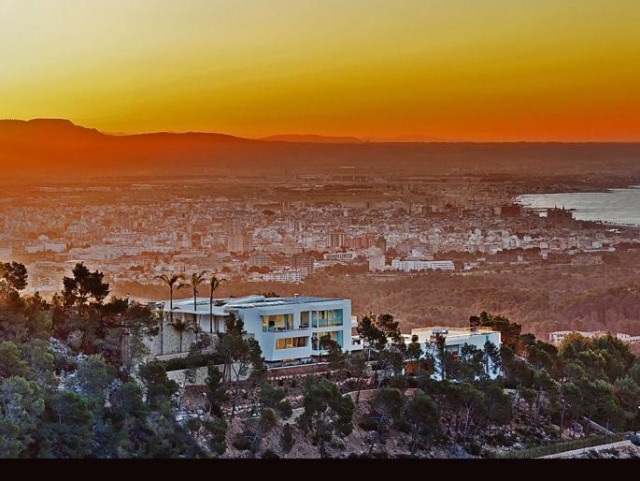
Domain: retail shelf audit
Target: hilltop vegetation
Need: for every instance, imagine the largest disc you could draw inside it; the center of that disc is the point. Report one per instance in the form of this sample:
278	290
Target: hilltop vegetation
73	384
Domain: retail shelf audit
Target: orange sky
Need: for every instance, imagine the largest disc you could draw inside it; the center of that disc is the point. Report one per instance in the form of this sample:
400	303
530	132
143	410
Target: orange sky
488	70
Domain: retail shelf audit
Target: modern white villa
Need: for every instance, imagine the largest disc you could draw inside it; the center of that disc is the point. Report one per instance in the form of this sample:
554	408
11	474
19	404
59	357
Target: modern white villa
287	328
455	339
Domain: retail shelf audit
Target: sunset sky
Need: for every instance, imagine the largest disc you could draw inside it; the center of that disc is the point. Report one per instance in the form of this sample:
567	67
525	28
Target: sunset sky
488	70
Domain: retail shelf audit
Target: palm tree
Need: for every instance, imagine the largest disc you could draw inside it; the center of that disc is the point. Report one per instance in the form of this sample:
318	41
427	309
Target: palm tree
182	326
193	282
214	283
174	280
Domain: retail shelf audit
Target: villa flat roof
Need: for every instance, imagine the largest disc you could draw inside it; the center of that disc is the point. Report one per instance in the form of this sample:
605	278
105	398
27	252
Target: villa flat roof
424	333
202	304
281	301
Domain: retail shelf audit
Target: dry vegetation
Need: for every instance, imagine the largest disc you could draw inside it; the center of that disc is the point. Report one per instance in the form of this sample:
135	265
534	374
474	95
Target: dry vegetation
526	428
542	298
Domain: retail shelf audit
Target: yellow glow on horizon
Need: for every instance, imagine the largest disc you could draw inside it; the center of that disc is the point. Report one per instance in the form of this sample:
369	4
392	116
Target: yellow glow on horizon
491	70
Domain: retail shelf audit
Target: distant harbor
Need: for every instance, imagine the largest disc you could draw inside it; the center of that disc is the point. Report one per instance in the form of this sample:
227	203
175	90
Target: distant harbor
619	207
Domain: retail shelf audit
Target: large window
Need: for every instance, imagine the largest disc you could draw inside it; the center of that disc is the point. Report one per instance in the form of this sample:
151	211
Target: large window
277	322
304	319
328	318
291	342
333	335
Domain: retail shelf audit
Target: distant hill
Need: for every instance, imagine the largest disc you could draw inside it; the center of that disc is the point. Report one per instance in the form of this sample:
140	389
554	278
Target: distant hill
57	148
409	138
58	145
319	139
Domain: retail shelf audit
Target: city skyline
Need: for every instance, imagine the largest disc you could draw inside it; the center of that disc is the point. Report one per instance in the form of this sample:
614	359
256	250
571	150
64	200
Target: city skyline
451	71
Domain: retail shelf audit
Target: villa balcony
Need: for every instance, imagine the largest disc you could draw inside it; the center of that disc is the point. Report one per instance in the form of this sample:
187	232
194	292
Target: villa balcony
284	329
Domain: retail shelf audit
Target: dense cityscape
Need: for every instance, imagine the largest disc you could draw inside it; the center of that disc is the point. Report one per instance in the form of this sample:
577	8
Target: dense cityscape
282	231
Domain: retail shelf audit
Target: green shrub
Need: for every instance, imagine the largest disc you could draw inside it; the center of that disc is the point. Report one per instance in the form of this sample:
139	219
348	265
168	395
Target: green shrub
368	424
193	360
403	426
474	449
241	443
269	454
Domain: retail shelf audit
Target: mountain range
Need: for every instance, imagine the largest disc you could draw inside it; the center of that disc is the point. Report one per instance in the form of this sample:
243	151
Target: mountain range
50	147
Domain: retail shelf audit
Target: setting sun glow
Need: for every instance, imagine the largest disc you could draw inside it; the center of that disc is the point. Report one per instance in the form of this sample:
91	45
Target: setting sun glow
495	70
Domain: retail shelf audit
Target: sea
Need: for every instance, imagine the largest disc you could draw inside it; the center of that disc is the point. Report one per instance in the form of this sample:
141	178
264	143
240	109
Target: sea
618	207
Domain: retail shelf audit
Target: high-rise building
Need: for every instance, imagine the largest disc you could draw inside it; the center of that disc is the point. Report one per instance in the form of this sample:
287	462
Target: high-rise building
363	241
231	226
196	240
376	262
337	240
303	262
240	243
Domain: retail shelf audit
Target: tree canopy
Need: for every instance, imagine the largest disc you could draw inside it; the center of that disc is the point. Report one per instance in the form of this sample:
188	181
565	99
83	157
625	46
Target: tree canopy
84	286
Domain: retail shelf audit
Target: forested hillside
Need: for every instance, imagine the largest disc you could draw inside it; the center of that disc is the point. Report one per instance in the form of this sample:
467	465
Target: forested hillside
74	384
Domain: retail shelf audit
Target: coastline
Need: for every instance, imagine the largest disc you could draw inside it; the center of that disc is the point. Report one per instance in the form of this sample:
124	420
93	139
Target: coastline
595	209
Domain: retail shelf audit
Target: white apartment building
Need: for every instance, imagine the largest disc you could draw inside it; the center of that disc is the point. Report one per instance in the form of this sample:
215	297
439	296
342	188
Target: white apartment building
556	337
421	265
291	276
376	262
57	247
455	339
340	256
287	328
